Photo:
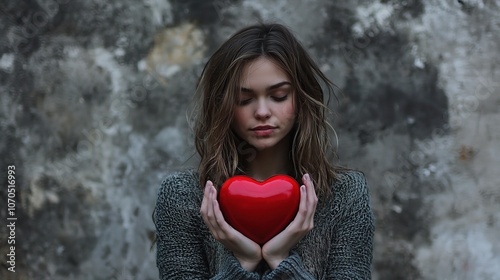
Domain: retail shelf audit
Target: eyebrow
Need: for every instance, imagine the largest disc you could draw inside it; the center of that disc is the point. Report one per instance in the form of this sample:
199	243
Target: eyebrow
269	88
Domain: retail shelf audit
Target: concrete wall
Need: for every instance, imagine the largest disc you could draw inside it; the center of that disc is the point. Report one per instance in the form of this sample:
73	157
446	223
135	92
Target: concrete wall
93	99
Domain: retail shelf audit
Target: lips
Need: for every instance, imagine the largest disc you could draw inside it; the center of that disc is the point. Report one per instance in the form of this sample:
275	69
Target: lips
263	127
263	131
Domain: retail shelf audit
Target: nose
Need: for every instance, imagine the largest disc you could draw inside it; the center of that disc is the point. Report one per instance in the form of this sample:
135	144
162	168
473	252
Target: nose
262	111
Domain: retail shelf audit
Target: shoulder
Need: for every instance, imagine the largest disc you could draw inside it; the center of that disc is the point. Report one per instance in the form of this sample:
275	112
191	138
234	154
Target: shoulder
350	178
177	208
180	178
350	198
350	185
179	187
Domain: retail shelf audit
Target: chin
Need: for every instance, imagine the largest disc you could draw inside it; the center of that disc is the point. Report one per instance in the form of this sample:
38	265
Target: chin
262	146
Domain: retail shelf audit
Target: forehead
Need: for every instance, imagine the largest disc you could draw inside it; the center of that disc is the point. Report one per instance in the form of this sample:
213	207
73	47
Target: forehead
262	72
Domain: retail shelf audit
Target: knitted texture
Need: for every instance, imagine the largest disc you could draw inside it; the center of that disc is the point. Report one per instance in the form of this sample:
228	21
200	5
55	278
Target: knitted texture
338	247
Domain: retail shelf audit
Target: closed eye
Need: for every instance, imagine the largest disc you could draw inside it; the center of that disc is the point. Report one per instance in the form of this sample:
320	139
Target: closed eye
280	99
244	101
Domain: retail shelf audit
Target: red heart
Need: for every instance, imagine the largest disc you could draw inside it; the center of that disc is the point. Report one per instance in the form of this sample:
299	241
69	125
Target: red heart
259	210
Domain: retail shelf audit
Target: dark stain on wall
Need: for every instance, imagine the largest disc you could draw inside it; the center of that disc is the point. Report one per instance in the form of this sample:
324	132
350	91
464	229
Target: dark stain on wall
407	8
392	88
398	95
200	12
27	21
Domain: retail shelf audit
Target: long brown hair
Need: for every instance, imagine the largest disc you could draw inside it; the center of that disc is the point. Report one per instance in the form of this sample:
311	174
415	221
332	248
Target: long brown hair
221	151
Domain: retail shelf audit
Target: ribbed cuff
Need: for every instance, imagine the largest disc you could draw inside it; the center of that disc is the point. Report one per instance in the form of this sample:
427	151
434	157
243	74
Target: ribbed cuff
231	269
290	268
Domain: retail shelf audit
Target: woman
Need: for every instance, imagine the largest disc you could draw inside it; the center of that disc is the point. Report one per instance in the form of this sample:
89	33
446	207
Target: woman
261	113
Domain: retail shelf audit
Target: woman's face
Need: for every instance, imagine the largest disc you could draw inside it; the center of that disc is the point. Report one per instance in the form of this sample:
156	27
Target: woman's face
266	113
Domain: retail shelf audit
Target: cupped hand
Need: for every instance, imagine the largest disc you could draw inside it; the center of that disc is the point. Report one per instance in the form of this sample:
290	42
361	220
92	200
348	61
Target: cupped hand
278	248
247	252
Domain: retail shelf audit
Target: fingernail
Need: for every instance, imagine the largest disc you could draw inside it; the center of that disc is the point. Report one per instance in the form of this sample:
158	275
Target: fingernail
303	188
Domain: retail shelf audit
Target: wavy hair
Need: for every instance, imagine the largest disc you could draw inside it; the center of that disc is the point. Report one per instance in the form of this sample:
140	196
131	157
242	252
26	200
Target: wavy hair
222	153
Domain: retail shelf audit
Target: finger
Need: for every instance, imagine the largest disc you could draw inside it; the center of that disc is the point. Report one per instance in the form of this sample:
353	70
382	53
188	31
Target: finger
311	202
311	192
217	231
204	202
213	206
302	205
309	189
219	218
307	211
210	209
304	179
206	210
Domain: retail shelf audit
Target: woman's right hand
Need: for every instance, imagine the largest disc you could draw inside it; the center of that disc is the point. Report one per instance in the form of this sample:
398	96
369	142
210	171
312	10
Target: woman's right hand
244	249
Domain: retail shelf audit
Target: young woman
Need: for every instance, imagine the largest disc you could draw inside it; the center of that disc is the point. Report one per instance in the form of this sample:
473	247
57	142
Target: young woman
261	112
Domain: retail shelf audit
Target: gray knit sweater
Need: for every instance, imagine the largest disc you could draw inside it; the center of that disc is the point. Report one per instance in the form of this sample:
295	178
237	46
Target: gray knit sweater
338	247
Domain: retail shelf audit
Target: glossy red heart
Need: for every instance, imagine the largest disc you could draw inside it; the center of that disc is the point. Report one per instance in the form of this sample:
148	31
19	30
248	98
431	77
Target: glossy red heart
259	210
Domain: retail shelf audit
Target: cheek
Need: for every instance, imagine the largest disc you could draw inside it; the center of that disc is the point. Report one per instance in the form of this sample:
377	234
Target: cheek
289	111
238	117
292	108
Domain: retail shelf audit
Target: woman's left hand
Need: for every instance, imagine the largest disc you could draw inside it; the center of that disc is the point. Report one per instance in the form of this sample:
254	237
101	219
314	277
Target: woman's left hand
278	248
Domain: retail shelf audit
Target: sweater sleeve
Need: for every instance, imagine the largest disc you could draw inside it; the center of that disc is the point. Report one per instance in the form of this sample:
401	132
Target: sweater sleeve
181	234
290	268
350	254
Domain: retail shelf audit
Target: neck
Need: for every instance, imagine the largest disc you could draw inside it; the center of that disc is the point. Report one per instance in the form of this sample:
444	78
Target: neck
271	161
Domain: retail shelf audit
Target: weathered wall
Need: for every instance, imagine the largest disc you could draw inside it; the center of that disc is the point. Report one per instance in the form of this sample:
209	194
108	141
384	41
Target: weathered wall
93	99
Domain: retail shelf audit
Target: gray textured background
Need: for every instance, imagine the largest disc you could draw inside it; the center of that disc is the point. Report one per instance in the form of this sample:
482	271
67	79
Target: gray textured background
93	99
